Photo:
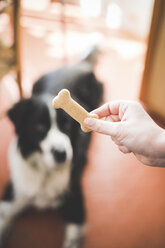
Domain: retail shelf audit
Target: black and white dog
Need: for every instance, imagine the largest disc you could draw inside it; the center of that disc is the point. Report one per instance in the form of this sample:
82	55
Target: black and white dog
49	152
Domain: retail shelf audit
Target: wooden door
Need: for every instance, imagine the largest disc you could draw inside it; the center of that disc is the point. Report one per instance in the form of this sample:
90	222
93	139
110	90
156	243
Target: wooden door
153	83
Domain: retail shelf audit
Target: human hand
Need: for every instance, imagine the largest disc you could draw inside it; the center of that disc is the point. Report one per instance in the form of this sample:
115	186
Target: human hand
132	129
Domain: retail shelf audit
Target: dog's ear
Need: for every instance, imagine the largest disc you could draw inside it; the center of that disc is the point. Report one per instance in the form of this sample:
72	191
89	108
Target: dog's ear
17	113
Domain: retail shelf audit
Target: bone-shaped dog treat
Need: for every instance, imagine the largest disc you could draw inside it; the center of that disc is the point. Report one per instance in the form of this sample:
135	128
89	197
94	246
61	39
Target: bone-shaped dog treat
64	101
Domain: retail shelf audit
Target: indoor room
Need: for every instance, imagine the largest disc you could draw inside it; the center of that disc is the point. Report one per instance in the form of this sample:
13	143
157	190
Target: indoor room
61	184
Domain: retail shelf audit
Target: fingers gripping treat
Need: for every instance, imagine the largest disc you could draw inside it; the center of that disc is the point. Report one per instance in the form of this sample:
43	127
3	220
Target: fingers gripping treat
64	101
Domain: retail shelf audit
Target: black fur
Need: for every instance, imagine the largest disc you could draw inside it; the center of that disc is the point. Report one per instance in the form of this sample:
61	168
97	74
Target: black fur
78	79
32	121
8	194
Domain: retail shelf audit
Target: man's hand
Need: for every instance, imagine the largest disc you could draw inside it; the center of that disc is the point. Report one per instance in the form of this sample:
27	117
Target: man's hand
132	129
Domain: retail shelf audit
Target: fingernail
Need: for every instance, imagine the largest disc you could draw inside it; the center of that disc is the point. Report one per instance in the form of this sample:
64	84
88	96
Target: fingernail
89	122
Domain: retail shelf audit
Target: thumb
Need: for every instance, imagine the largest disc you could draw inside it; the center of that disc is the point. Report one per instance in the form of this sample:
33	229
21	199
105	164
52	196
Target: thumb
101	126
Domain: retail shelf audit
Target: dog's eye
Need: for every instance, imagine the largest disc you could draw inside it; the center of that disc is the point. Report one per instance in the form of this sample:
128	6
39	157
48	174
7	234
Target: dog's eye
40	128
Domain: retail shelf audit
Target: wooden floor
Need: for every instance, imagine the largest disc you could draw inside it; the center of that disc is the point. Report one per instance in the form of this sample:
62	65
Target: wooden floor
124	199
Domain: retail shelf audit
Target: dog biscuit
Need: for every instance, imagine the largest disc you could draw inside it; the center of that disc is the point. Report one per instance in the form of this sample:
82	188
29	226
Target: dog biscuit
64	101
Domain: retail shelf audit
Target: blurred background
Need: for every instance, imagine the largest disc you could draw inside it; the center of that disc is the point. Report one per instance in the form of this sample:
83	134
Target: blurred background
124	199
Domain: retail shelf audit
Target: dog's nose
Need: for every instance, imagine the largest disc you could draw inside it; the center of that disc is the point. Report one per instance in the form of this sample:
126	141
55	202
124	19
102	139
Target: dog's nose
59	155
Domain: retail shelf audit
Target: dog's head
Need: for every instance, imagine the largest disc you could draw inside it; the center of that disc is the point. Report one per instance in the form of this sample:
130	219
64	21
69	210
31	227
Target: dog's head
41	141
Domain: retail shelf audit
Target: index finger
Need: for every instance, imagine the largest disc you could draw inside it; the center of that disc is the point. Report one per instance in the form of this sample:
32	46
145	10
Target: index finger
109	108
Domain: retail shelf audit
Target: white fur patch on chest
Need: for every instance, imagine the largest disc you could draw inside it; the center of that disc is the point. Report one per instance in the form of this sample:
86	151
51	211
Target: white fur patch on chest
52	186
43	187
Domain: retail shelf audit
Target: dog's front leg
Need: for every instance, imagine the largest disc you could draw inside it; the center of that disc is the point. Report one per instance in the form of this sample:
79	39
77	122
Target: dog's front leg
8	212
5	208
74	234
